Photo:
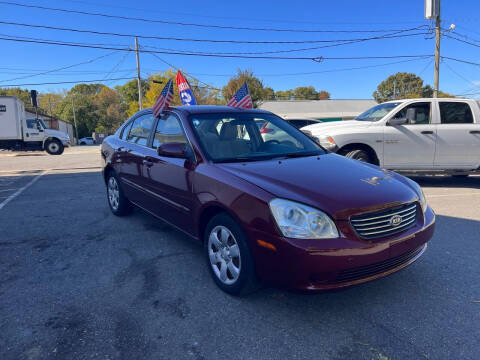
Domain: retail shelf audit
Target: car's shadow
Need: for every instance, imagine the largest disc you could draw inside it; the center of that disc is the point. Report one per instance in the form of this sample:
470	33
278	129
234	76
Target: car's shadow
473	181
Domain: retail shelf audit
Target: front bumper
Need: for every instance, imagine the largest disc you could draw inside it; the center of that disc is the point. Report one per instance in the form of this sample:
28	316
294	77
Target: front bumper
66	142
337	263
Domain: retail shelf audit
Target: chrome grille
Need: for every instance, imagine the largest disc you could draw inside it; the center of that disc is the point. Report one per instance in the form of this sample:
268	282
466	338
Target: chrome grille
386	222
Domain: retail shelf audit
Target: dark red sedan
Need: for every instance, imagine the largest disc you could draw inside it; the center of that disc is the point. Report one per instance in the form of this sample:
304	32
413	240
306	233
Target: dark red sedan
278	209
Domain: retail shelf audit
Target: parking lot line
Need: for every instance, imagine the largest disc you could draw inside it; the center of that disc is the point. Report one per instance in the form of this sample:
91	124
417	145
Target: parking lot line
457	194
19	191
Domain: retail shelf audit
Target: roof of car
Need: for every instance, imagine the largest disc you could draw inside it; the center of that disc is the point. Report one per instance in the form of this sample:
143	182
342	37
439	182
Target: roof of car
201	109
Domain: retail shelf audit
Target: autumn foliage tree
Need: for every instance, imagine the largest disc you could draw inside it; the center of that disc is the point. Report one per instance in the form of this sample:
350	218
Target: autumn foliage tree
255	86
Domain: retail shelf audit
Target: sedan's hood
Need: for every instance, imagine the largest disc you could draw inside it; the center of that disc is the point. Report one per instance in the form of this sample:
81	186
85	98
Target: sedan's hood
333	125
332	183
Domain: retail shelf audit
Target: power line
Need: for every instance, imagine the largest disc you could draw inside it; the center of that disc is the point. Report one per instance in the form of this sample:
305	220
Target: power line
263	20
460	60
154	37
176	68
62	68
183	23
64	82
317	59
294	50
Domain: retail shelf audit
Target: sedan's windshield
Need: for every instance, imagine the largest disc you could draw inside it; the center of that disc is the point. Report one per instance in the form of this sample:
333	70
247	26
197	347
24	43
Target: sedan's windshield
377	112
232	137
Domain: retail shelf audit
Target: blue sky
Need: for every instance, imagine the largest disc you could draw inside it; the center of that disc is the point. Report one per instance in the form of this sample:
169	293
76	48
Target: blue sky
24	59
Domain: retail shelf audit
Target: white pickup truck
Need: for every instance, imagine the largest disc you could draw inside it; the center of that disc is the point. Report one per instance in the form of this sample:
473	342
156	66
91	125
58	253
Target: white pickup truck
19	133
422	135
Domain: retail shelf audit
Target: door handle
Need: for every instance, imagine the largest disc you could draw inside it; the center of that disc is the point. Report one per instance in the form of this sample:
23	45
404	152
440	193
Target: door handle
427	132
475	132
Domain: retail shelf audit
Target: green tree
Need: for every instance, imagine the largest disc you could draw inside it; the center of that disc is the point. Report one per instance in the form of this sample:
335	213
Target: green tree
129	94
255	86
268	93
305	93
284	94
399	86
50	102
85	108
110	110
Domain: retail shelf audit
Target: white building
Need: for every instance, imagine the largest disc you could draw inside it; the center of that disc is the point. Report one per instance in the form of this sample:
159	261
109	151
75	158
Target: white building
326	110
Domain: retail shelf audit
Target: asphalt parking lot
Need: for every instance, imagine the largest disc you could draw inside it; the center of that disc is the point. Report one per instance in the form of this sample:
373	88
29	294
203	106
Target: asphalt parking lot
77	282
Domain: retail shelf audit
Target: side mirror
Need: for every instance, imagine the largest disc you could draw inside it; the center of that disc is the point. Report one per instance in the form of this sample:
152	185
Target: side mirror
173	150
397	121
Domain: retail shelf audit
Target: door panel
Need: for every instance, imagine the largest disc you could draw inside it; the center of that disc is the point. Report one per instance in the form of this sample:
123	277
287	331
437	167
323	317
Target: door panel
169	180
132	156
412	145
458	145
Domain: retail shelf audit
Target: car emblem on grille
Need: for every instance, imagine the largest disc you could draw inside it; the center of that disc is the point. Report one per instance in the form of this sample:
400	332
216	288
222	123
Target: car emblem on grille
395	220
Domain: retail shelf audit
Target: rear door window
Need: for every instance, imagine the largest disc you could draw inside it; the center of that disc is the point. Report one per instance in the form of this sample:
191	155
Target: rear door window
141	129
455	113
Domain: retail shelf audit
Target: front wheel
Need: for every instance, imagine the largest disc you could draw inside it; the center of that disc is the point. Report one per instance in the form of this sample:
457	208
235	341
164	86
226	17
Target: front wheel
228	256
54	147
357	154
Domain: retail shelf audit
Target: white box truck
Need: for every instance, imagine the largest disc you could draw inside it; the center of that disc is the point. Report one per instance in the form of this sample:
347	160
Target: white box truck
19	133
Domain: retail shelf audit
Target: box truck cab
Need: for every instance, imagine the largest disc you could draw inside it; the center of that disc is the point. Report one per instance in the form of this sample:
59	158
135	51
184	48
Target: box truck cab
19	133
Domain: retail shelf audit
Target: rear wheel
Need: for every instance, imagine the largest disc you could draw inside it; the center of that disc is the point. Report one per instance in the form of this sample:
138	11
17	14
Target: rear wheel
358	154
119	204
228	256
54	147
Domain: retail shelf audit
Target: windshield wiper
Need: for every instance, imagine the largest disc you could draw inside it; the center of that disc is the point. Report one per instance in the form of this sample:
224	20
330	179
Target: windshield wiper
301	154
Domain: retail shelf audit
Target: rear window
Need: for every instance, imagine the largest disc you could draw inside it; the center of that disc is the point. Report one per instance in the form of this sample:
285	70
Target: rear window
455	113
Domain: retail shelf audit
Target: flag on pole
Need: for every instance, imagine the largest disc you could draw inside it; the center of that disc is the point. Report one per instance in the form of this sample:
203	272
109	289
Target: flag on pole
185	92
164	99
241	99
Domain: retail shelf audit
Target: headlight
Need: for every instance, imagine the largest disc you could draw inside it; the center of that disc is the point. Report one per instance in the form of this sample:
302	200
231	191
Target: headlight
301	221
421	196
327	142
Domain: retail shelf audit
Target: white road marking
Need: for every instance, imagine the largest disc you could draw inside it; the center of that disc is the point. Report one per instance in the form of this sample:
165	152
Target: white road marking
19	191
459	194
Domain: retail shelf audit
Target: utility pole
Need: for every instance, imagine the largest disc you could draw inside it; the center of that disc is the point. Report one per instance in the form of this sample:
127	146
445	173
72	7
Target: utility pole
139	80
437	51
74	119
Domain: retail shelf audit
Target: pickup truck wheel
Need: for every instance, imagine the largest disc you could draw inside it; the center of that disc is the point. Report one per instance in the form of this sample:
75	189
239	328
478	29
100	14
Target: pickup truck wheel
54	147
228	256
118	202
360	155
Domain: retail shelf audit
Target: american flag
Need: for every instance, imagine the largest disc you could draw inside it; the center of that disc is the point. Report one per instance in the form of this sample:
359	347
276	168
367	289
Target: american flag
241	99
164	99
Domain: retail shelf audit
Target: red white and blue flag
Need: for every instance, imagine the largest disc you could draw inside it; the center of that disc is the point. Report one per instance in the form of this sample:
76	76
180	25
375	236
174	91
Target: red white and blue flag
184	90
241	99
164	99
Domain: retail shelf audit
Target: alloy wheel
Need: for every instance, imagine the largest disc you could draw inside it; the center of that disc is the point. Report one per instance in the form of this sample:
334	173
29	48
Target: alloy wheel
113	193
224	255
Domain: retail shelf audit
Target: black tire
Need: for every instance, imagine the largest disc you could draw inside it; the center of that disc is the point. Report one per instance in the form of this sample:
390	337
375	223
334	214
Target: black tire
82	143
54	147
122	206
246	281
358	154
